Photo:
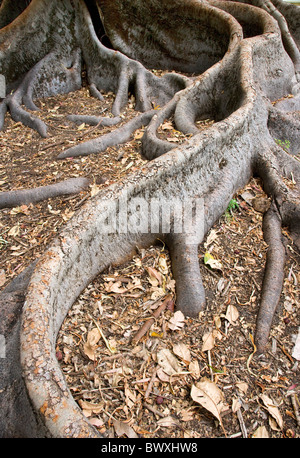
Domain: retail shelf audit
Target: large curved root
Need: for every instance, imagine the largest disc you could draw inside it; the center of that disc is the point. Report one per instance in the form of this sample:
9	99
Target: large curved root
19	197
48	77
273	277
240	71
100	144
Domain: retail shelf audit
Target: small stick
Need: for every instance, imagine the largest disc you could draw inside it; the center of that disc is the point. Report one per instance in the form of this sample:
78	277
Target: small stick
242	424
295	407
147	325
150	384
153	410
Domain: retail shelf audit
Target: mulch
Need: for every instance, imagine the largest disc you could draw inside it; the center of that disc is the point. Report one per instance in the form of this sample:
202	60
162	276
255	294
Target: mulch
181	377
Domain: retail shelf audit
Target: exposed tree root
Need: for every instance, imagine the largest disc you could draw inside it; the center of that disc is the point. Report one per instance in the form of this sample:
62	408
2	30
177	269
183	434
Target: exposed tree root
239	60
190	294
274	276
19	197
98	145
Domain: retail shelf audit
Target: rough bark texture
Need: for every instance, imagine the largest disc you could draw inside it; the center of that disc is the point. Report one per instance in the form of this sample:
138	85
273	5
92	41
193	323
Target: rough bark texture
229	61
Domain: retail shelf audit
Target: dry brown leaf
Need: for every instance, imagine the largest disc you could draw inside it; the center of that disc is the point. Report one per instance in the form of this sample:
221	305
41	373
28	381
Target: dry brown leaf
2	277
124	428
162	375
176	321
260	433
208	341
236	405
194	369
182	351
272	409
208	395
14	231
156	277
168	362
162	265
167	126
90	345
296	349
242	386
89	408
97	422
167	422
130	396
115	287
232	313
187	414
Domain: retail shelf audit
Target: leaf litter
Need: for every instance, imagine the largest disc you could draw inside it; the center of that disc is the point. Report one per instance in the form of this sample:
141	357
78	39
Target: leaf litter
149	387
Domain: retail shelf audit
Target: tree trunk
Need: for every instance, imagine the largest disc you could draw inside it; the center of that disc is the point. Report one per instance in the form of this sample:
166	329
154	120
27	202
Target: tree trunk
236	63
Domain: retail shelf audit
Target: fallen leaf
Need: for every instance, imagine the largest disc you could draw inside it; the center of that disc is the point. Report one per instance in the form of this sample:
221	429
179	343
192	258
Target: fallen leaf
232	313
212	262
260	433
90	345
115	287
15	230
97	422
90	408
168	362
167	422
53	212
187	414
94	190
208	341
156	277
162	265
176	321
2	277
22	209
139	134
296	350
167	126
242	386
182	351
124	428
208	395
173	139
130	397
272	409
162	375
236	405
194	368
212	236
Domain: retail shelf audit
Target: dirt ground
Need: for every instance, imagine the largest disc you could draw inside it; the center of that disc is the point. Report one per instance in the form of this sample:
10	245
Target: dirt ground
183	378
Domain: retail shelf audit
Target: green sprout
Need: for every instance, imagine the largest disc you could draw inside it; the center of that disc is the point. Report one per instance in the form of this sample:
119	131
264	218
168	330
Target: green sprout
2	242
285	144
233	205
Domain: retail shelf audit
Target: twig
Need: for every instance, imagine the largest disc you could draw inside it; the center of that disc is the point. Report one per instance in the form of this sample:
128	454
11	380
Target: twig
112	350
294	401
242	424
153	410
147	325
150	384
210	365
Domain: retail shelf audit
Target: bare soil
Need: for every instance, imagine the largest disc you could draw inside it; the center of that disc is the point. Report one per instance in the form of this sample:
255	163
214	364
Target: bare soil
145	388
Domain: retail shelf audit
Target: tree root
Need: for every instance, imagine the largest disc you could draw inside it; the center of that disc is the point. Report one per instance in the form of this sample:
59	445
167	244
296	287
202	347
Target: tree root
100	144
273	278
190	294
19	197
237	80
